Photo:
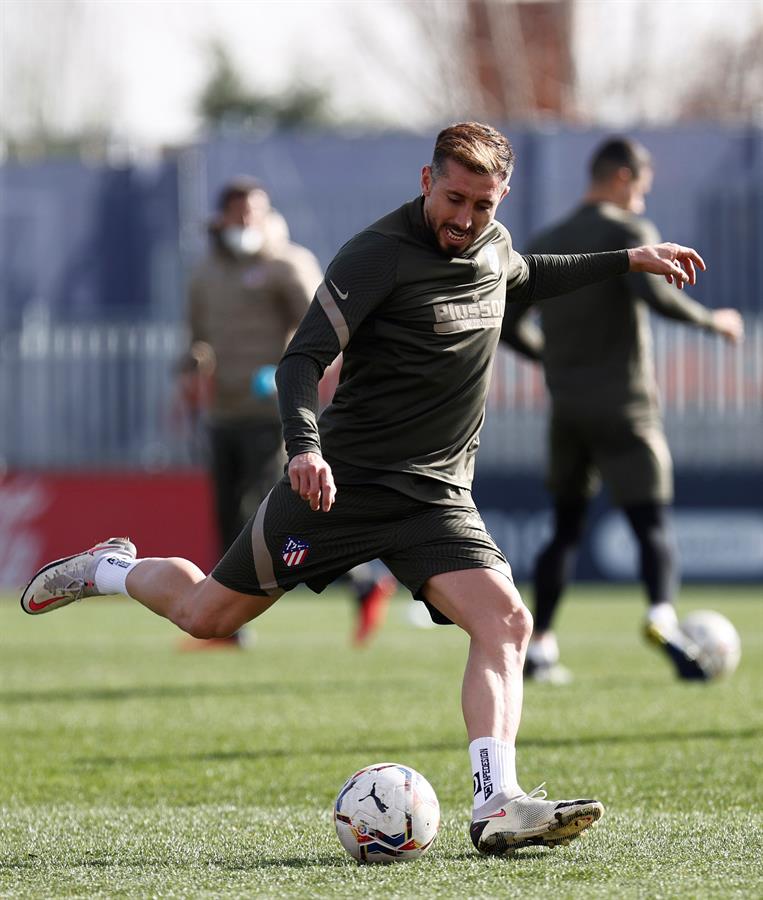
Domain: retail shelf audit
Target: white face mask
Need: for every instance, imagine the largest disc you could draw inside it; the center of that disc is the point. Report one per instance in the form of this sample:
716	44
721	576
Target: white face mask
243	241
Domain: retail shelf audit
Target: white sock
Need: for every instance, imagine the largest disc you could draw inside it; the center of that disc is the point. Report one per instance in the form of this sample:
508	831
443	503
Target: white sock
663	615
543	650
111	574
494	769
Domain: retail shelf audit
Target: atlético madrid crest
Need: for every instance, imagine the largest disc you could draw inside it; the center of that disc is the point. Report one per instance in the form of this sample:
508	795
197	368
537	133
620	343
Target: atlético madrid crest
294	551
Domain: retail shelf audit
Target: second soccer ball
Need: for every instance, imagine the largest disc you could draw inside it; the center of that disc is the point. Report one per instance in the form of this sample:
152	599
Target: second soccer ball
719	647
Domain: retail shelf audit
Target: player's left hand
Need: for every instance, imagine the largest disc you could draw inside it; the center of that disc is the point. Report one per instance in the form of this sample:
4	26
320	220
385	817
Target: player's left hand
678	264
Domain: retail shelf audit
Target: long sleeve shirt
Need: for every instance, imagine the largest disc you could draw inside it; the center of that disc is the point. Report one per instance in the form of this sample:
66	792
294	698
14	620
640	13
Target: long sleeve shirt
595	343
418	330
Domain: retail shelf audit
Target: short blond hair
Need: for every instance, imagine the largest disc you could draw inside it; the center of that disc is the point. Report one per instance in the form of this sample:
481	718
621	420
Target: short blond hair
479	148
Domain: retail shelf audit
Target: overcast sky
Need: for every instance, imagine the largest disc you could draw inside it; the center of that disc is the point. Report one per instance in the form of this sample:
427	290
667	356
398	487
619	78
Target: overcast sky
140	63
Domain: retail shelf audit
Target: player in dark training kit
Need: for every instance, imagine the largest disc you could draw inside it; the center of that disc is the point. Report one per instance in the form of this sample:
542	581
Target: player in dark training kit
595	347
415	302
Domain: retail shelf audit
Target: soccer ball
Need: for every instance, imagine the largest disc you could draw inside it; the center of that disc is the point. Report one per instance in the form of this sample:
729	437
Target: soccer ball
717	641
386	813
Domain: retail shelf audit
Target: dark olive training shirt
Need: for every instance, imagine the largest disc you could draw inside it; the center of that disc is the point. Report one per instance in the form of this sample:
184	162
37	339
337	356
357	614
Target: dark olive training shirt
419	330
596	343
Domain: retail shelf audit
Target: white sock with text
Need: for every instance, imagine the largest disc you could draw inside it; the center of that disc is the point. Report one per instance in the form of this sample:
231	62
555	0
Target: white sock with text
111	574
493	769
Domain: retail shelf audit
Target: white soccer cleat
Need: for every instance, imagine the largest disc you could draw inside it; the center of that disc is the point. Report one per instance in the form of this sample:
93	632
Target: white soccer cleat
542	661
530	820
661	628
557	674
63	581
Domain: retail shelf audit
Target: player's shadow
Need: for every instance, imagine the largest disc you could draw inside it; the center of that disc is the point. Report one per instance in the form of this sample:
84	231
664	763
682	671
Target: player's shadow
334	861
161	692
391	750
318	861
471	856
652	737
323	860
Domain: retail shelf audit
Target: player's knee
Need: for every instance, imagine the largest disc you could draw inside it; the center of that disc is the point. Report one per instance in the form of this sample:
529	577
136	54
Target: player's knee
519	622
506	619
202	625
203	621
527	622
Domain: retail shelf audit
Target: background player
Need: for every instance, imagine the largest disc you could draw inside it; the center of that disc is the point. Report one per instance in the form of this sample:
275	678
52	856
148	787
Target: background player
595	346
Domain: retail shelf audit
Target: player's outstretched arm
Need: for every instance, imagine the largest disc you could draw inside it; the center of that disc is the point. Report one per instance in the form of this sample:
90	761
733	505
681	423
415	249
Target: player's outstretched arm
678	264
311	477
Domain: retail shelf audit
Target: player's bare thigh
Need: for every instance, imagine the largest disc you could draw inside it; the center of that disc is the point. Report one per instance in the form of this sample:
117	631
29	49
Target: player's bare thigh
482	601
218	611
201	606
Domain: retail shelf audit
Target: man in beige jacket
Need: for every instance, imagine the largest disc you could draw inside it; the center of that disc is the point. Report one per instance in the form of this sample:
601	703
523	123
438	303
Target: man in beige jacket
246	298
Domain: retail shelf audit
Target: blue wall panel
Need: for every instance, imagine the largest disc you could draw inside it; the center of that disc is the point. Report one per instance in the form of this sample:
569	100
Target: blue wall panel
717	525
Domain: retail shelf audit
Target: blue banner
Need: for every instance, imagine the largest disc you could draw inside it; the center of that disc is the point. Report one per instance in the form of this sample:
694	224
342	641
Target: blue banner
717	524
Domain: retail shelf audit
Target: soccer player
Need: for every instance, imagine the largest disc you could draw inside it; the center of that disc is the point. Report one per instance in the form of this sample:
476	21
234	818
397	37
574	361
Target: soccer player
595	346
415	302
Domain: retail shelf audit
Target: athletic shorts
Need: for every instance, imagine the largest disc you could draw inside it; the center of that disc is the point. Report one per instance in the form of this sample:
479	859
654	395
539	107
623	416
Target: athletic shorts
629	453
286	543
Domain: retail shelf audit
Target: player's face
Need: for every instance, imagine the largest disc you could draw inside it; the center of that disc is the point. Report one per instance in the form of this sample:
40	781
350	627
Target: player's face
637	189
247	212
460	204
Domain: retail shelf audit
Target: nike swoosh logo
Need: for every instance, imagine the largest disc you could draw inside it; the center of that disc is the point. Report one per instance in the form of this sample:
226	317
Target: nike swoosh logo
340	294
36	607
497	815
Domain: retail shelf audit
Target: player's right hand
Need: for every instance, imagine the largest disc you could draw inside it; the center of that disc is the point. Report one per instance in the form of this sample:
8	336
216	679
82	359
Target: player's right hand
729	324
310	476
678	264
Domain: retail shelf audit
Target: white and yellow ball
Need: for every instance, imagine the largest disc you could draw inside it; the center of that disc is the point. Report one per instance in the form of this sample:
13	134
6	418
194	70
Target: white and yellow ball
718	643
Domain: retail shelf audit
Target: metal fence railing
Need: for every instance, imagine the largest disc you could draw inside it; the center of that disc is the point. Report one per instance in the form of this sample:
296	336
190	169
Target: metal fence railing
712	399
90	396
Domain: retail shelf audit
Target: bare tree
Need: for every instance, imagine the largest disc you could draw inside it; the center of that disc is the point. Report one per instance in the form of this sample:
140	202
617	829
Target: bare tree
729	86
435	80
51	102
582	61
495	59
648	62
452	89
226	98
521	54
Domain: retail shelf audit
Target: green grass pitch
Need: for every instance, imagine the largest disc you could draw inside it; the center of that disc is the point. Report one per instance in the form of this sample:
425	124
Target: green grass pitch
130	769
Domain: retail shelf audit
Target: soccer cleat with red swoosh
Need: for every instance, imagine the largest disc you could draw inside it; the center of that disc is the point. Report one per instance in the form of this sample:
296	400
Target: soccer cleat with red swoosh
529	821
65	580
